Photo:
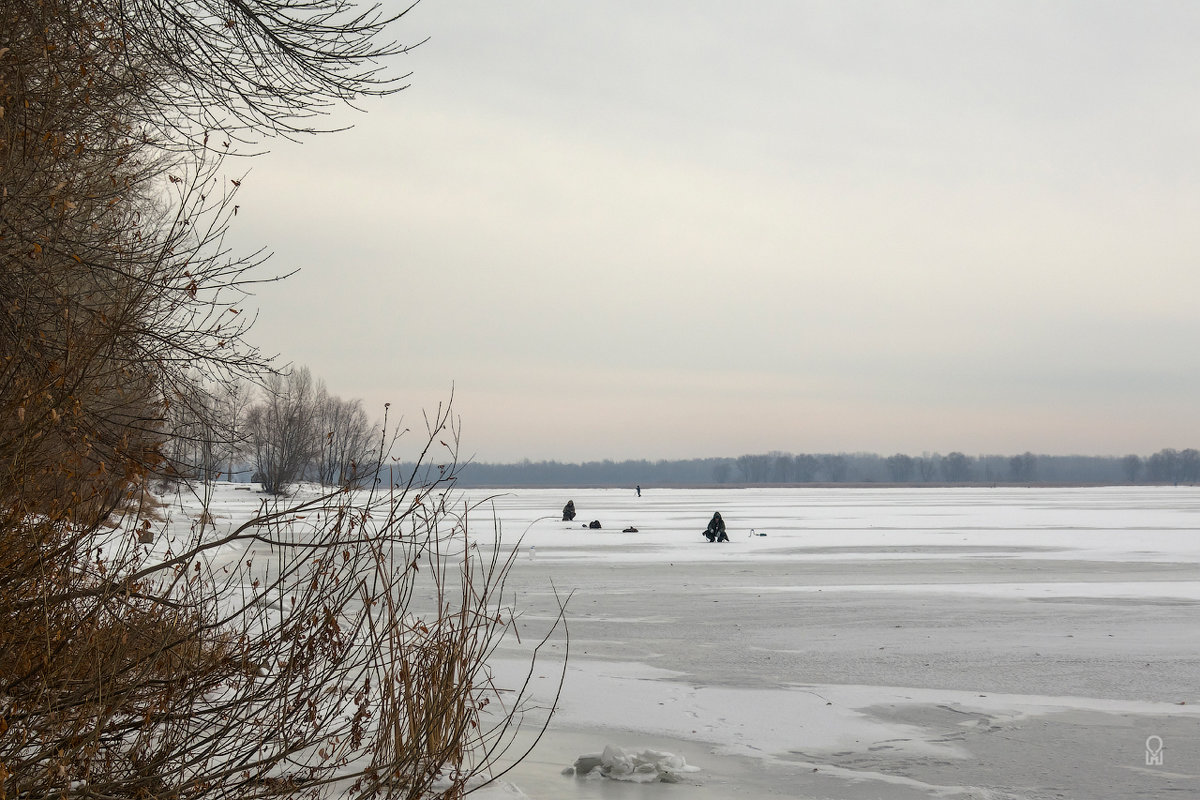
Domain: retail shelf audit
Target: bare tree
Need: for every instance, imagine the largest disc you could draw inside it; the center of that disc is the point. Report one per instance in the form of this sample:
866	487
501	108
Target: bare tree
900	467
345	438
783	469
1131	466
233	402
927	466
274	67
203	435
835	467
281	429
1189	465
755	468
1022	468
1163	466
337	639
956	467
806	467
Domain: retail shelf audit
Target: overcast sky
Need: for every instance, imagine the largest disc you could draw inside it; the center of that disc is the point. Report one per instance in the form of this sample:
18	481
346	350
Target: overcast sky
682	229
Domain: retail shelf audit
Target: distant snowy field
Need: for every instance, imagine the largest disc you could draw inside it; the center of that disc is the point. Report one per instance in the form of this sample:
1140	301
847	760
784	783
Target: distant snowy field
875	643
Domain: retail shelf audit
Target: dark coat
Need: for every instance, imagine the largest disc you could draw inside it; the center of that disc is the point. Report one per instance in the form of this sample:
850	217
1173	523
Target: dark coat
715	532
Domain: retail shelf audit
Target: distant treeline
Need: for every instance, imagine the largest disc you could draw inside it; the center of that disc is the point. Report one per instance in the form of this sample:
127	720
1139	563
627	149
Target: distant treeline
1167	466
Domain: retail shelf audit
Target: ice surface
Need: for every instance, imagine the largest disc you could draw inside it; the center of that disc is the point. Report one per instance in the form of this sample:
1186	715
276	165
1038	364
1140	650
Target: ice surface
640	766
1001	643
900	643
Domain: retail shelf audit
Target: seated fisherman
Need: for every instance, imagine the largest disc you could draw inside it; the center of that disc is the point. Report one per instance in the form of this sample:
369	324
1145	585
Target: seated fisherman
715	532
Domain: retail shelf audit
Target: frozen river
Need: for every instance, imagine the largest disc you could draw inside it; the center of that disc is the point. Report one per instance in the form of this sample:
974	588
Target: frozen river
892	643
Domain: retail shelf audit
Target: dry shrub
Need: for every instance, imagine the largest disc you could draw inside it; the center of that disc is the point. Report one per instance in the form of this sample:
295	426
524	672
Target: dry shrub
273	659
337	646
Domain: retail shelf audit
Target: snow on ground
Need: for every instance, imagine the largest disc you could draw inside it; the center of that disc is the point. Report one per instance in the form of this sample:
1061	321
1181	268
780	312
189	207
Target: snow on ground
1142	524
975	642
894	643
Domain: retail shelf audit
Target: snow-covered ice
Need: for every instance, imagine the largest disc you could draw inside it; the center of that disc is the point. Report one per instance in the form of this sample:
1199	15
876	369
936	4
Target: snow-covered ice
961	642
641	766
992	643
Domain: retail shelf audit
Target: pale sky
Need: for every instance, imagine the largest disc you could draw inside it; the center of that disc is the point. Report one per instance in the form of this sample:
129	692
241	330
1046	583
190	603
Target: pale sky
686	229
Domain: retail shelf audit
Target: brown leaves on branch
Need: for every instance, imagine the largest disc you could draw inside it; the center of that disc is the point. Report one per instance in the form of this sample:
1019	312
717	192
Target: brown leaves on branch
205	659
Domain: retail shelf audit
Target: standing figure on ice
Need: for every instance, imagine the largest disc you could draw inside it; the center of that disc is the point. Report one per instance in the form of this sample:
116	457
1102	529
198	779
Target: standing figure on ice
715	532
